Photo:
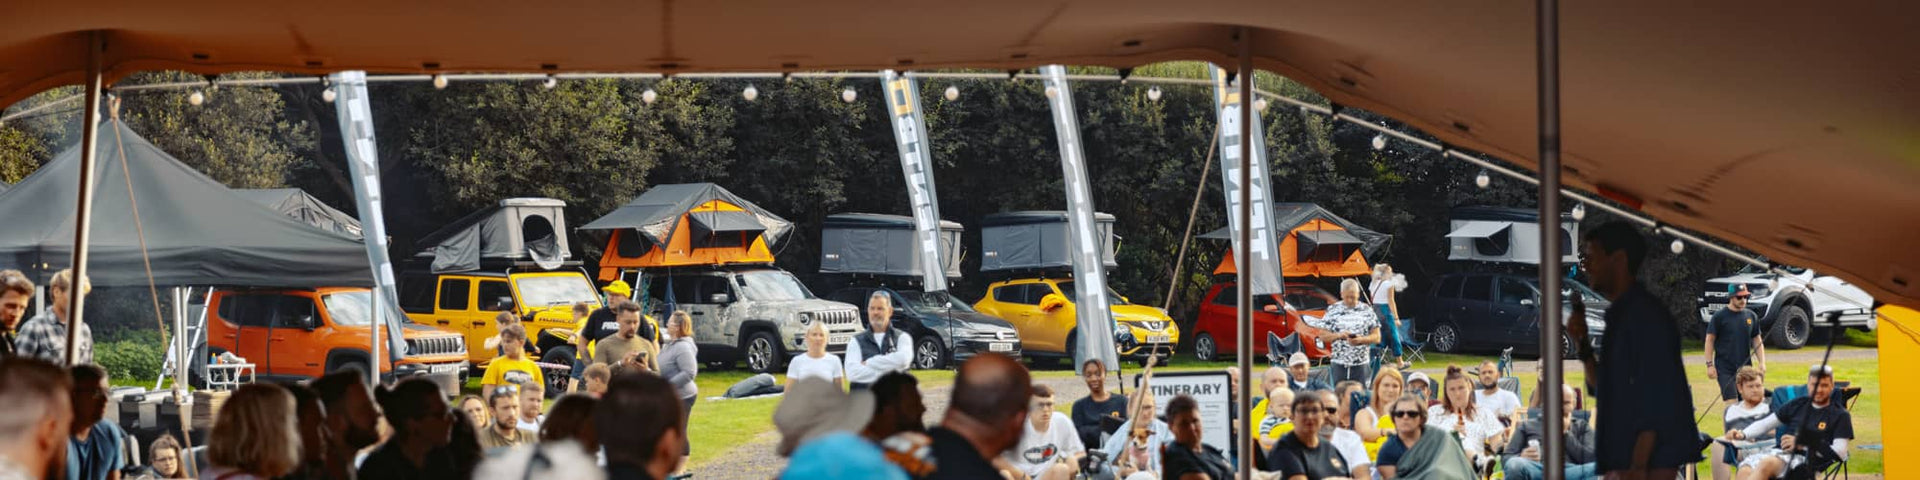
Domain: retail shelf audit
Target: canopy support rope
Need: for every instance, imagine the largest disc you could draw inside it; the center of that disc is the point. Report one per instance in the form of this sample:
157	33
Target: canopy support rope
1180	259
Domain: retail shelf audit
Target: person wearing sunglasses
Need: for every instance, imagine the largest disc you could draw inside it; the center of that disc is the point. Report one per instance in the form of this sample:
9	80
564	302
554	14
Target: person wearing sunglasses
1418	451
1302	454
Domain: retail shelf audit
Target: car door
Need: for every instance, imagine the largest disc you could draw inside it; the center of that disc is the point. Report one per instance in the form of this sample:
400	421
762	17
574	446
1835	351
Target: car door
287	352
1474	312
1217	316
1058	324
1268	318
250	316
1516	312
453	310
706	299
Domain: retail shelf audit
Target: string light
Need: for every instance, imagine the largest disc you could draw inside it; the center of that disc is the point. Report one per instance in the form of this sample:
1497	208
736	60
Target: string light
328	95
750	93
1482	180
1380	142
1260	105
649	96
848	95
550	82
196	98
1153	93
1677	246
439	81
1579	212
953	93
1052	92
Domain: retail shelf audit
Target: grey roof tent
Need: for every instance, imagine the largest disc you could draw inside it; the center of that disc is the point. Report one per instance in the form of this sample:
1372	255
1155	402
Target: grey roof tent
198	232
1489	234
515	230
656	212
875	244
296	203
1290	215
1036	239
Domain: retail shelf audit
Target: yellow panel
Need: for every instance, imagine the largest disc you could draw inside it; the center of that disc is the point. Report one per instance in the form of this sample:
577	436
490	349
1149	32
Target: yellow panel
1898	353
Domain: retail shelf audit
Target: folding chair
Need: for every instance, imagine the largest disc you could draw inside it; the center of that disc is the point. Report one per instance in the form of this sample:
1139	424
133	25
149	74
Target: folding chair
1413	349
1844	394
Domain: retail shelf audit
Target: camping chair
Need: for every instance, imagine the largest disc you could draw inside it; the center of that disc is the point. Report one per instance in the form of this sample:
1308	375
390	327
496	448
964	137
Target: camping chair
1278	349
1844	395
1412	348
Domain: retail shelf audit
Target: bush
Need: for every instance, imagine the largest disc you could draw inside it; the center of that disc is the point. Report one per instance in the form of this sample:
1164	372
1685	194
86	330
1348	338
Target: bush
131	355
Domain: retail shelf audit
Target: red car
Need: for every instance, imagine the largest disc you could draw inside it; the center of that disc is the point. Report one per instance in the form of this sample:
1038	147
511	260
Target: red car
1215	331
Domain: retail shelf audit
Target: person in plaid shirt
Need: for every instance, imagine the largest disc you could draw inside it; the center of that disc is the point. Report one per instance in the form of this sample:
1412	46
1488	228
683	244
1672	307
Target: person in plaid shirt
45	336
15	292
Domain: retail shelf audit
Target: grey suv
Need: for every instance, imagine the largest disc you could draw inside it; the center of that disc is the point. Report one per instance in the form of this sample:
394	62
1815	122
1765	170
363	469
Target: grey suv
1493	310
759	314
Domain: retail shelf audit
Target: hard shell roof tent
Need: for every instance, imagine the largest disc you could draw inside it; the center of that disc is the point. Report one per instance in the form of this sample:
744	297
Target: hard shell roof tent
1498	234
515	231
875	244
1037	239
1317	243
296	203
686	224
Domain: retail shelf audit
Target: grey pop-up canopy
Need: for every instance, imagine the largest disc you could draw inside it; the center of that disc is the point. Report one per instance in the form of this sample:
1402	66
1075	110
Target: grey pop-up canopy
198	232
1290	216
1036	239
656	213
296	203
868	243
516	229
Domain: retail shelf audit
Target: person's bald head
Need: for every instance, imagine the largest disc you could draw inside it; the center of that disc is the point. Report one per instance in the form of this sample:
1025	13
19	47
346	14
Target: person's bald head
34	426
1274	377
989	402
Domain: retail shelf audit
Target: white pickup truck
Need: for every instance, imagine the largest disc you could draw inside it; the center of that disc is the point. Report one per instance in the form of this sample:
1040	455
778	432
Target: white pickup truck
1791	308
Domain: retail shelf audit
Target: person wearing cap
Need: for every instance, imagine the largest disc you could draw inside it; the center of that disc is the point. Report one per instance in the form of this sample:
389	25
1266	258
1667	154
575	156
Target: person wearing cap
603	322
1733	333
1302	378
1420	385
819	432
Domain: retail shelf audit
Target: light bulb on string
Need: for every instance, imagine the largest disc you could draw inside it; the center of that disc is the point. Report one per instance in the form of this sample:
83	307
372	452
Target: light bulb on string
1260	105
196	98
439	81
1153	93
1579	212
1482	180
1052	92
953	93
550	82
1380	142
849	95
649	96
750	93
1677	246
328	95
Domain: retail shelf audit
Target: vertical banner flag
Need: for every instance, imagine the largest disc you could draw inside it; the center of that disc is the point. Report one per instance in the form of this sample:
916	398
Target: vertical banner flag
356	129
1260	262
910	132
1096	325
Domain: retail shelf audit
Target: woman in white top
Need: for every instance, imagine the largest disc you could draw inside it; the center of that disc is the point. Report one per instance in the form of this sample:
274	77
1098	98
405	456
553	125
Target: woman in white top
1479	431
1752	407
816	363
1382	291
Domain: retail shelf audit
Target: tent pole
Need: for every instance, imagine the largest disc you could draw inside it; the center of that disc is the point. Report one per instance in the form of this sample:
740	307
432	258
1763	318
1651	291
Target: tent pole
82	229
1243	399
1553	376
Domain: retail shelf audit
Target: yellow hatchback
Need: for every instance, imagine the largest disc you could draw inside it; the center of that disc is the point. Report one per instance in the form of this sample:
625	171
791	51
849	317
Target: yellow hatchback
1042	310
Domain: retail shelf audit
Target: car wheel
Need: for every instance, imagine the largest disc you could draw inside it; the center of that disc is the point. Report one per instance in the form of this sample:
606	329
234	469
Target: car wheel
763	352
558	378
1791	330
1446	338
1567	349
928	354
1204	348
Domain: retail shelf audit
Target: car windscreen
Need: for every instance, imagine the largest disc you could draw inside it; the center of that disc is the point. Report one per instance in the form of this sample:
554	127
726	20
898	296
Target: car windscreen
1113	297
548	291
935	302
771	286
353	309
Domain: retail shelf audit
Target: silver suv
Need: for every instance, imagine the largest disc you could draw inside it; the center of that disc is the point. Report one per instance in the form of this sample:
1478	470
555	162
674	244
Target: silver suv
759	314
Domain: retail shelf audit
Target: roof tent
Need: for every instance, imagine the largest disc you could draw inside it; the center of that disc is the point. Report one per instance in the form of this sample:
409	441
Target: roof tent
196	231
686	224
1498	234
1317	244
515	230
874	244
296	203
1036	239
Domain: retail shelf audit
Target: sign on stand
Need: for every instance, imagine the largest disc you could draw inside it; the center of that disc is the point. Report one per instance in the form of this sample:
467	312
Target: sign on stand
1210	390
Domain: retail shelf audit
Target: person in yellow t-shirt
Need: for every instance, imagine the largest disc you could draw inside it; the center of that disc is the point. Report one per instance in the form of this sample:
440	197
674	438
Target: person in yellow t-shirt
513	367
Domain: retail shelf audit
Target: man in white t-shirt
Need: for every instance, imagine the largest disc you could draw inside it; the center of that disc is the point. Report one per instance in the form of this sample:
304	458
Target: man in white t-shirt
1050	448
1491	398
816	363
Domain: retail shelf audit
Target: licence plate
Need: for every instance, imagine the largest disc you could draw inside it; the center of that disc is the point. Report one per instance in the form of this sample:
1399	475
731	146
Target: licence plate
1159	338
1000	347
839	339
440	369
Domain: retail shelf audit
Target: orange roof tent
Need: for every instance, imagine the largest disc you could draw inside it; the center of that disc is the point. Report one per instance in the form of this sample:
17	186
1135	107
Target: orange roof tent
687	224
1317	243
